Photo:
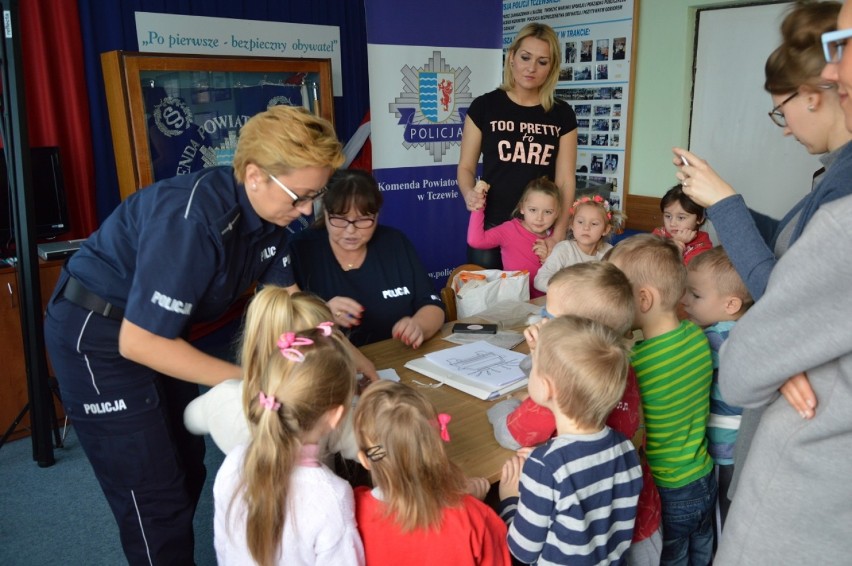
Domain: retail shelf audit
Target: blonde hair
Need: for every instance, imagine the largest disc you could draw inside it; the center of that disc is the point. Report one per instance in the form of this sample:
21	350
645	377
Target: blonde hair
652	261
541	185
306	390
587	362
545	33
595	290
611	216
283	138
728	281
412	468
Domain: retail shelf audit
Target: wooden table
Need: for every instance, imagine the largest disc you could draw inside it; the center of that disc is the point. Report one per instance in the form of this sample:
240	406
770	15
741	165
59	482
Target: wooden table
472	446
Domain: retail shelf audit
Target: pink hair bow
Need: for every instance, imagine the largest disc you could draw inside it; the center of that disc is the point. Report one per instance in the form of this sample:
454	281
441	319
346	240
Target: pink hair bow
443	420
325	327
268	403
287	344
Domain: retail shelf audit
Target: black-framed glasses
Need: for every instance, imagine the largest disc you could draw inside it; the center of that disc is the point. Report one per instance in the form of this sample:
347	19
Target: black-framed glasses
343	222
777	116
298	200
833	43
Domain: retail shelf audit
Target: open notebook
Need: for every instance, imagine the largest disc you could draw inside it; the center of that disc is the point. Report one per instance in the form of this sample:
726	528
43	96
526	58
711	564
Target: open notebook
479	369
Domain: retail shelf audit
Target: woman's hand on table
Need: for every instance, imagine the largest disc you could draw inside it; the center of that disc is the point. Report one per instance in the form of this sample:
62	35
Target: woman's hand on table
346	312
798	392
408	331
510	477
700	182
478	487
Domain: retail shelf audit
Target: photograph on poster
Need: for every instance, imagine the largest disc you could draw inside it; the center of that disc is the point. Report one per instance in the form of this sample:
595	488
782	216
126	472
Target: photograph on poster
597	163
616	124
583	123
586	51
616	140
582	169
610	163
619	46
602	110
600	139
570	52
597	180
602	53
566	73
602	72
582	139
582	109
583	73
616	109
617	93
600	125
604	93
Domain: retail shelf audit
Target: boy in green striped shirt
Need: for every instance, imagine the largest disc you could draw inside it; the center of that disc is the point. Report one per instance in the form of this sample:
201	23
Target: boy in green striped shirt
674	367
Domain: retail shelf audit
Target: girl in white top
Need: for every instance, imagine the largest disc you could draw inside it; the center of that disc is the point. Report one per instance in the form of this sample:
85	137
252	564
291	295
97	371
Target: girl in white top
593	220
275	502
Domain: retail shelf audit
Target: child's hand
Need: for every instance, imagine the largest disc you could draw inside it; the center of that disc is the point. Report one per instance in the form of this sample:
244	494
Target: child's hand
478	487
541	250
475	199
798	392
531	333
684	237
510	478
525	451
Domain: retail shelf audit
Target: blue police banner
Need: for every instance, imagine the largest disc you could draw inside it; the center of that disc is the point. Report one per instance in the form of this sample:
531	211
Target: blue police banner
427	63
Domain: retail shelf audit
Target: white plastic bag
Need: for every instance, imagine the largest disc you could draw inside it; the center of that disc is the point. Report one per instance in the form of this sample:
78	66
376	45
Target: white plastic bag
476	291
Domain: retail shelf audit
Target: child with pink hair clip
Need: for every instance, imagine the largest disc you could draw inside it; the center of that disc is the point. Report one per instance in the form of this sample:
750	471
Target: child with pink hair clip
592	221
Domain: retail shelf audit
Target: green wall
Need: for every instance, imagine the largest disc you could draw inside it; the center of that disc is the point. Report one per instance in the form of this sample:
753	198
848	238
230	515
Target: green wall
662	89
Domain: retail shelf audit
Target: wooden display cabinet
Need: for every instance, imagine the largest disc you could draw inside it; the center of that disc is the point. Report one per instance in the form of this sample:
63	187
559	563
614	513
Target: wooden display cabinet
13	378
174	114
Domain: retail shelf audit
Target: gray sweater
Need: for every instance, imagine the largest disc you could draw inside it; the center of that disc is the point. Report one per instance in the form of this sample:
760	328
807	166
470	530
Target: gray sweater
794	501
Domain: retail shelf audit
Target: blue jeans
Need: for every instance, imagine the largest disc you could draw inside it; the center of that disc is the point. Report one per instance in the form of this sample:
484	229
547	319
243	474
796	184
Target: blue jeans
688	522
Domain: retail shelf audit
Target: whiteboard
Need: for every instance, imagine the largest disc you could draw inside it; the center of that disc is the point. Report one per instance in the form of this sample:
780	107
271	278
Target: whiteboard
729	126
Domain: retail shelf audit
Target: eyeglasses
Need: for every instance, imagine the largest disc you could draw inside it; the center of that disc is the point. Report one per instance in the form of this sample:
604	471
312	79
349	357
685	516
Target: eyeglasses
777	116
833	43
298	200
343	222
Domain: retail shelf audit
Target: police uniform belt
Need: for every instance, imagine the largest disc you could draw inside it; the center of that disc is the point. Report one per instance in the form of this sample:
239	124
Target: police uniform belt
82	297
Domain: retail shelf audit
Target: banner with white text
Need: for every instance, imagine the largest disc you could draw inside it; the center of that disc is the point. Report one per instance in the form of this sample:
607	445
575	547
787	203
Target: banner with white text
426	66
594	78
201	35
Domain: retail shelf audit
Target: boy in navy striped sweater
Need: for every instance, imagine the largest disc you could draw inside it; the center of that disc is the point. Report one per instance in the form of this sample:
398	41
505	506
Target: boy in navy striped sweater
573	500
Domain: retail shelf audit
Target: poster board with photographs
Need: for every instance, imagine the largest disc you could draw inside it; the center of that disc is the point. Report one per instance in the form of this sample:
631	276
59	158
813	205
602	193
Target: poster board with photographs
596	40
174	114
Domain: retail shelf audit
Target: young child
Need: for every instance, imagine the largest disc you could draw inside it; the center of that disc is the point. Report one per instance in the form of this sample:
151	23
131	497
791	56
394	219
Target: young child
675	370
219	411
521	239
601	292
575	500
715	299
419	511
682	220
275	502
592	222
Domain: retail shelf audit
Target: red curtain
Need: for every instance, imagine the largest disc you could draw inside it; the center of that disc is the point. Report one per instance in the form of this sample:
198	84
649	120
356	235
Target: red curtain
57	100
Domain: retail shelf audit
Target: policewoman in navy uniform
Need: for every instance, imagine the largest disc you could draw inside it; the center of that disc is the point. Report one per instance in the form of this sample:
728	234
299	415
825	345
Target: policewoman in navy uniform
179	251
